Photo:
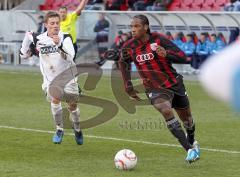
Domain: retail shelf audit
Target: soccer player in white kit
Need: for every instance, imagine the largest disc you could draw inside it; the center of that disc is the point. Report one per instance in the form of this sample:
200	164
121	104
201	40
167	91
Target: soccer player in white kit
56	54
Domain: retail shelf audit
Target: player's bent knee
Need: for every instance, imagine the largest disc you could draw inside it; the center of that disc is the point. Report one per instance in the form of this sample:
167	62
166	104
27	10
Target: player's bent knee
167	112
56	108
162	104
55	101
72	106
164	108
186	112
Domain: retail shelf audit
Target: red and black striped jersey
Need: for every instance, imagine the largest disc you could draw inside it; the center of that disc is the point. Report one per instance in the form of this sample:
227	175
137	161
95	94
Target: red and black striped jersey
155	70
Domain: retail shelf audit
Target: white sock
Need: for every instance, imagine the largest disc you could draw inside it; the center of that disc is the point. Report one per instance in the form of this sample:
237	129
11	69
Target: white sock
76	119
57	115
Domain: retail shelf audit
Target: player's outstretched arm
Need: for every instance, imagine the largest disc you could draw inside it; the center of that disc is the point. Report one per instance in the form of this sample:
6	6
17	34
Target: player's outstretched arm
25	48
81	7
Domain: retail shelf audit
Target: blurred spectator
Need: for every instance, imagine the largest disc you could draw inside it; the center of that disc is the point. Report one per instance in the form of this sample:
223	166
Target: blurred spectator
216	44
233	5
169	35
119	41
113	52
236	6
229	6
177	40
182	37
90	2
142	4
129	34
208	38
202	50
102	29
123	38
91	5
189	47
234	33
159	5
131	4
41	26
115	5
195	38
222	38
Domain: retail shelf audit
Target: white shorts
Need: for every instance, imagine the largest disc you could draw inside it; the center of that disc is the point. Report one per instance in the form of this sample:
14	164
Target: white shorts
70	91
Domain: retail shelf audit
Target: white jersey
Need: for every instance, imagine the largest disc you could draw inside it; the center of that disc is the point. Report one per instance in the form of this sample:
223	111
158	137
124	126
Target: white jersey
54	59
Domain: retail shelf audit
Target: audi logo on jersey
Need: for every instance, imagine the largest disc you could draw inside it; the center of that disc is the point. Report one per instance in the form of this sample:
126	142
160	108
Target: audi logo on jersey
144	57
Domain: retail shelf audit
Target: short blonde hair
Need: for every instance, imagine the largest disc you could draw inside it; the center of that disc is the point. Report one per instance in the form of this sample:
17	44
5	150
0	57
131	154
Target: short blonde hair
51	14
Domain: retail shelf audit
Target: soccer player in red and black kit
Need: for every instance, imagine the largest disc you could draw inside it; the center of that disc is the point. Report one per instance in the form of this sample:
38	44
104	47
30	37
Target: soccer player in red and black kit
153	55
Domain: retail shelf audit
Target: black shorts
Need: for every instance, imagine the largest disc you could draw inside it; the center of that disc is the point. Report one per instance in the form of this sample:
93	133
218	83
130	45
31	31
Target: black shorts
177	94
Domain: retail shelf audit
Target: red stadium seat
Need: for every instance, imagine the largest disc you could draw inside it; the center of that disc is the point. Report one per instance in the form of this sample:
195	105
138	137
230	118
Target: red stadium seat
209	2
186	7
124	6
47	5
187	2
66	3
57	4
217	8
206	8
198	3
221	2
75	2
174	6
196	7
216	5
177	1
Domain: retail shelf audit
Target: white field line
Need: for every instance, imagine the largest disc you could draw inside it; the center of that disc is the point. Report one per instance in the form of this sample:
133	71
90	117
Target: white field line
120	139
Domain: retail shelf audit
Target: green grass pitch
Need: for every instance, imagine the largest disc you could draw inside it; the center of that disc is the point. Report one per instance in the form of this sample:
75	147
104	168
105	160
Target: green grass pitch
28	153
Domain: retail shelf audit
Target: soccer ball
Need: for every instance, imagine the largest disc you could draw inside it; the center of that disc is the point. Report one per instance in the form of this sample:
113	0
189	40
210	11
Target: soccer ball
125	159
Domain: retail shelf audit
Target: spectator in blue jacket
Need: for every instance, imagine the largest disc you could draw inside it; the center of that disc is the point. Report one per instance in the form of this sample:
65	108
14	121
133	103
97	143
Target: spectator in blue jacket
177	40
222	38
189	47
208	38
202	46
202	49
216	44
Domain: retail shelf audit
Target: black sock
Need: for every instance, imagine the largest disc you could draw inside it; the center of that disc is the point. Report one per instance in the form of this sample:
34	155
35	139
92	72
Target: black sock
175	127
190	132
